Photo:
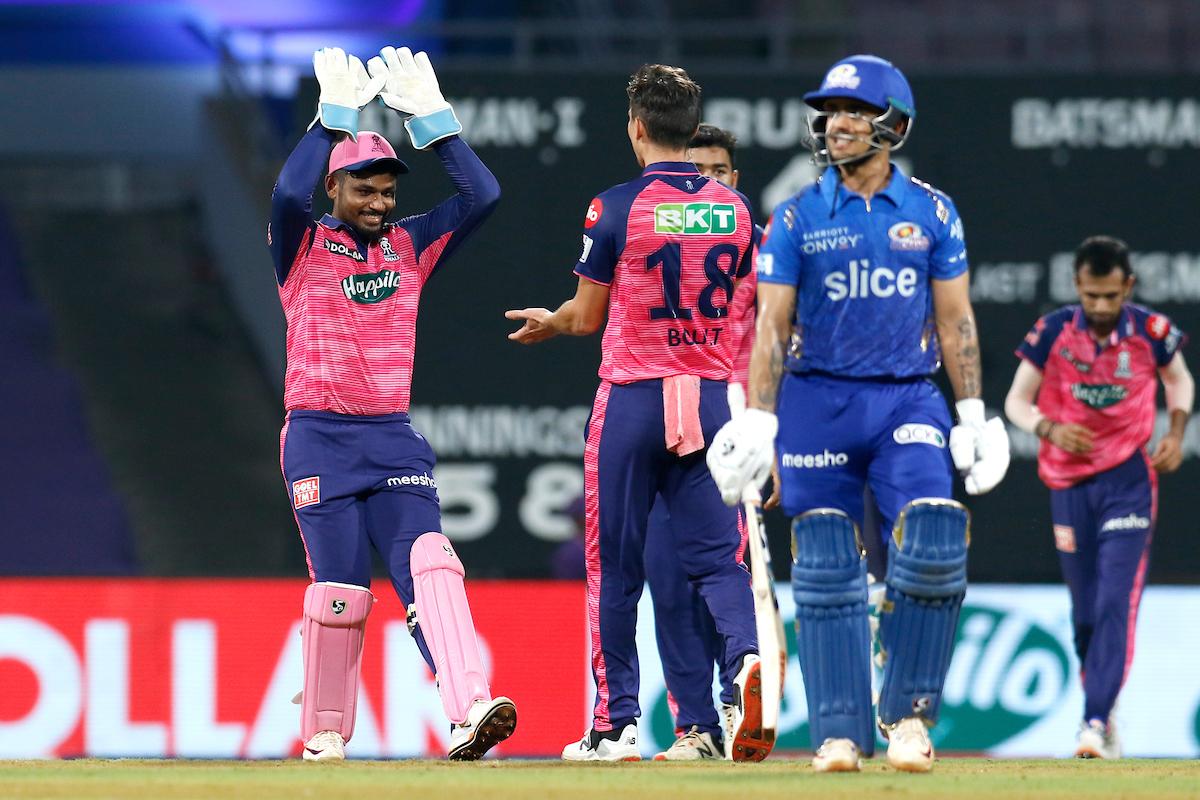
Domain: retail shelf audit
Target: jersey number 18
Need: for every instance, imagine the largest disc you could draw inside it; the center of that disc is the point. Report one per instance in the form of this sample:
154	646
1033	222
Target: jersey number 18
670	258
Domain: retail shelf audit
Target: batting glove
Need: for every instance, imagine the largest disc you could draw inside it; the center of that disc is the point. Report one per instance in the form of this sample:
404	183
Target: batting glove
345	88
979	449
411	87
741	453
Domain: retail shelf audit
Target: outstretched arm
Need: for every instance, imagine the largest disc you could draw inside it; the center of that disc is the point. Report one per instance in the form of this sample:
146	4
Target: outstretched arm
583	314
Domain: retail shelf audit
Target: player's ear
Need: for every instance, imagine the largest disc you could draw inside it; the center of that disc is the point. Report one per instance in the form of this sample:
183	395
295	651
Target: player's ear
733	176
331	186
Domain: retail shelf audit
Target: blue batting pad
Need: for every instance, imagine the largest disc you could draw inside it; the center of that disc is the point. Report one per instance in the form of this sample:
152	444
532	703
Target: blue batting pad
829	583
926	578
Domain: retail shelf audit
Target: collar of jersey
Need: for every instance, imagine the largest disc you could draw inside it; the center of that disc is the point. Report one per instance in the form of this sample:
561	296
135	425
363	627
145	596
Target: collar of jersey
330	221
1124	322
835	195
671	168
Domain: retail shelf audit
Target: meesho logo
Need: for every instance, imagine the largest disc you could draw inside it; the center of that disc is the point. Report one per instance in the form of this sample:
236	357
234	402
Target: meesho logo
373	288
694	218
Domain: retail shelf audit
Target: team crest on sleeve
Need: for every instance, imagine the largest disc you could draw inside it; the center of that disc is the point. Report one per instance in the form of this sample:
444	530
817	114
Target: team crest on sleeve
907	236
594	212
306	492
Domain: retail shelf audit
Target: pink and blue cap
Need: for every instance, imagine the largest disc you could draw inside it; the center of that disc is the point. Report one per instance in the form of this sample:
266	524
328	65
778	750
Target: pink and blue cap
371	150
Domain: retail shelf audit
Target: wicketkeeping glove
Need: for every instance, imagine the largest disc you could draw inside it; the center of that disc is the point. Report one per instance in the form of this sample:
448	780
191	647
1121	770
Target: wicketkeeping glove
411	87
742	451
345	88
979	449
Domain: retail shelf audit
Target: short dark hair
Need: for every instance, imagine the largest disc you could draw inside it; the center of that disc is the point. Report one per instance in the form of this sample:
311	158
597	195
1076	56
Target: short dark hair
1101	255
712	136
667	102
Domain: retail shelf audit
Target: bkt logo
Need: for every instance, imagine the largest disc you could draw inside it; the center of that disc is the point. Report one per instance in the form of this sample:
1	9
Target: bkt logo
692	218
860	282
815	460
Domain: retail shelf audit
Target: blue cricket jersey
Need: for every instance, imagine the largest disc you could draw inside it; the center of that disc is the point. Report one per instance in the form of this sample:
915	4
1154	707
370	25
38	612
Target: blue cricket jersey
862	272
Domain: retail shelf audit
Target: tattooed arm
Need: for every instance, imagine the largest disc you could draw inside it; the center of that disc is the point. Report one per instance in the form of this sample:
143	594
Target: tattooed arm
773	331
958	335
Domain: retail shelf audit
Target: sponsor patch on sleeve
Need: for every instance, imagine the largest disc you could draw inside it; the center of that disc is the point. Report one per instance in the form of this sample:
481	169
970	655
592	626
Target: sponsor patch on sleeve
587	248
1158	326
594	212
306	492
919	433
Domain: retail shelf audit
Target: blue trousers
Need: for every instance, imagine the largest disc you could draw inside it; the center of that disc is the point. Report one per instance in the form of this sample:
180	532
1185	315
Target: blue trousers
1102	528
626	464
357	482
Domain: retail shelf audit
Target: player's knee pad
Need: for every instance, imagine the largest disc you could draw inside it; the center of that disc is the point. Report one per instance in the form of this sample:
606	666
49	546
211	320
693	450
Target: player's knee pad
445	620
829	584
926	582
335	617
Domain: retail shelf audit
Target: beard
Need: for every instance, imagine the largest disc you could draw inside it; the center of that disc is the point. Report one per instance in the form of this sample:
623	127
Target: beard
371	236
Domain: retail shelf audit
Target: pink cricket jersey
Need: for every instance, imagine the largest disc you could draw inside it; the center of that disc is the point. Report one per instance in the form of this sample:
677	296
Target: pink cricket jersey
352	320
743	315
1107	387
670	245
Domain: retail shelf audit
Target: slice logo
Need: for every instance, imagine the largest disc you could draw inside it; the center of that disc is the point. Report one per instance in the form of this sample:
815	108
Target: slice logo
695	218
337	248
908	236
594	212
306	492
1098	395
372	288
919	433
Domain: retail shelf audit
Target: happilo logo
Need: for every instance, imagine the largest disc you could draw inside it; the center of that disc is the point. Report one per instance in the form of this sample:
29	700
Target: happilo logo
919	433
1008	672
1098	395
373	288
814	460
695	218
306	492
339	249
1130	522
907	236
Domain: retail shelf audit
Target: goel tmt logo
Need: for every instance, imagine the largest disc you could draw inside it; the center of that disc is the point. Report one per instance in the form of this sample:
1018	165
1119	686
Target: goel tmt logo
695	218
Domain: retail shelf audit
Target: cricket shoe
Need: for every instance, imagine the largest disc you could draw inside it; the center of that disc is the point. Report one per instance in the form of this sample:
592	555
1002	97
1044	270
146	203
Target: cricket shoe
909	748
837	755
695	745
728	713
605	746
750	741
489	722
325	746
1097	740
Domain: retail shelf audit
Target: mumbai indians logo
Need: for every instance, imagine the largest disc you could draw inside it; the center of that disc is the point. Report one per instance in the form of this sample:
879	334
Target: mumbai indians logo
908	236
1007	674
1098	395
373	288
693	218
843	76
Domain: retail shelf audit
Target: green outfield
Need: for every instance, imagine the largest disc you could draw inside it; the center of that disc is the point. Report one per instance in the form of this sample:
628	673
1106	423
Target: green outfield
971	778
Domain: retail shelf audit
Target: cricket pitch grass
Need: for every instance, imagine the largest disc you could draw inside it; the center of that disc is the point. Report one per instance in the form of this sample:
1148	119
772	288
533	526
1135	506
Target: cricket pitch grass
970	778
